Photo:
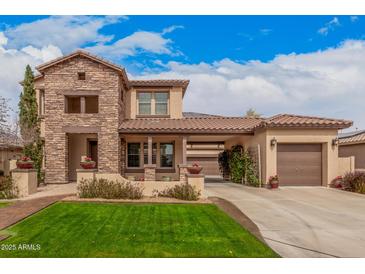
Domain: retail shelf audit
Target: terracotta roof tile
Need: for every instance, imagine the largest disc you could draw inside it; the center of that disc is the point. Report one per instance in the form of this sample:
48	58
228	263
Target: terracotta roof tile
190	125
290	120
161	82
354	138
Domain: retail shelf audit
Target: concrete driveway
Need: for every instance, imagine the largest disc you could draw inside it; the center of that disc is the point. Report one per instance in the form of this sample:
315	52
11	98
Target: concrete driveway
302	221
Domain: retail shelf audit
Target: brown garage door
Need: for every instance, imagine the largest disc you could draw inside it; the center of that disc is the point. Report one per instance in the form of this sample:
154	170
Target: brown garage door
210	165
299	164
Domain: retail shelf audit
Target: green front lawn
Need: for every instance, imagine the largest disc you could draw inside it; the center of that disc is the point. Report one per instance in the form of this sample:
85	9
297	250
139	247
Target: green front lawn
126	230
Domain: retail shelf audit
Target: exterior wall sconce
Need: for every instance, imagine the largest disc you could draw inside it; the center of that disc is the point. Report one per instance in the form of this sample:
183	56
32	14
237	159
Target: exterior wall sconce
335	142
273	142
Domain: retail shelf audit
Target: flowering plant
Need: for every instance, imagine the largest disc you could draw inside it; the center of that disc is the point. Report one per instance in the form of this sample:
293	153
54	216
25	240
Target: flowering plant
273	178
196	164
88	159
24	163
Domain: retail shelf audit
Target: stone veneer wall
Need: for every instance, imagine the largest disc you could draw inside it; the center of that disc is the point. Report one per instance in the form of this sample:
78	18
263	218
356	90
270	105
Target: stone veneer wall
62	79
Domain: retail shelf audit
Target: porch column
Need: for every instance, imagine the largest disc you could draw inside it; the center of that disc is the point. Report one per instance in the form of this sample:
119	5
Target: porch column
183	167
184	144
149	168
149	150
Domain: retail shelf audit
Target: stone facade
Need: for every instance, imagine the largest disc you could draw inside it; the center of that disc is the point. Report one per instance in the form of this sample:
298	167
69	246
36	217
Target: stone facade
60	80
182	172
149	172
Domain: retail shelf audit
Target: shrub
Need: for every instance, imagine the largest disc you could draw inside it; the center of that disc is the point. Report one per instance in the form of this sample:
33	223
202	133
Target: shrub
354	181
241	167
108	189
7	188
223	160
181	191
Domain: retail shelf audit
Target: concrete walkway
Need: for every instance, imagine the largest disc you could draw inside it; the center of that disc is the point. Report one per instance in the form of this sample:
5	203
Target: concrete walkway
302	221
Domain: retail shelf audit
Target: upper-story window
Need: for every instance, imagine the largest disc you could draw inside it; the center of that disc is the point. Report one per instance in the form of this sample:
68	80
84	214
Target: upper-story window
81	104
153	103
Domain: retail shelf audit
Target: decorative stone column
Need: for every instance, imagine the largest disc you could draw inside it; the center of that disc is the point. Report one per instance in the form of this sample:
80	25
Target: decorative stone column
150	172
183	170
25	180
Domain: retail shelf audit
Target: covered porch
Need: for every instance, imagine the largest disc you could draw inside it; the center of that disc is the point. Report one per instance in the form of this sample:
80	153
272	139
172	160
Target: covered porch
165	157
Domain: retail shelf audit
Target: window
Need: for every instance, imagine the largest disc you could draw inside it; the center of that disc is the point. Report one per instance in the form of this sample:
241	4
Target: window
166	154
134	154
41	102
153	103
72	105
145	153
91	104
81	104
161	99
81	75
144	103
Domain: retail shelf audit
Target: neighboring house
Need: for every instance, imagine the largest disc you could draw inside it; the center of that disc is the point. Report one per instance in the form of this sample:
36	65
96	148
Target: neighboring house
353	144
137	128
10	149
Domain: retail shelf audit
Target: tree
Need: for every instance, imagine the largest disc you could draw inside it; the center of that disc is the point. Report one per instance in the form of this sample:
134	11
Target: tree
251	113
29	122
4	118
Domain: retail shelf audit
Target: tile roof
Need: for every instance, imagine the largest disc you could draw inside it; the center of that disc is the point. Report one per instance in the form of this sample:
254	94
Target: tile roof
221	125
352	137
8	140
290	120
218	125
160	83
198	114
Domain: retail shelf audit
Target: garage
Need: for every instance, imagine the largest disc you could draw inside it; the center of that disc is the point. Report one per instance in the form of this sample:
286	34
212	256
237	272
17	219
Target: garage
299	164
210	165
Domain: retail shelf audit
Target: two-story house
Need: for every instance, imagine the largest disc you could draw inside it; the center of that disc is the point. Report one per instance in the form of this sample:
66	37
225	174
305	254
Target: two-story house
137	128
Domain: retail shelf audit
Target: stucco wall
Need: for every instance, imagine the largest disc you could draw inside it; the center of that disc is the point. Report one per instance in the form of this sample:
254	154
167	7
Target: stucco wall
77	148
5	156
322	136
357	150
175	101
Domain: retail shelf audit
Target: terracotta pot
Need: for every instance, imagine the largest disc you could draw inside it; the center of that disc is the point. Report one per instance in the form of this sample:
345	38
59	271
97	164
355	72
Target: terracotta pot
88	165
24	165
274	184
194	169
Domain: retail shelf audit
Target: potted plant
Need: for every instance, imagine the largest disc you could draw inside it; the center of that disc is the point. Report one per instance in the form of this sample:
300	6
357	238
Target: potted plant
88	163
24	163
194	169
274	181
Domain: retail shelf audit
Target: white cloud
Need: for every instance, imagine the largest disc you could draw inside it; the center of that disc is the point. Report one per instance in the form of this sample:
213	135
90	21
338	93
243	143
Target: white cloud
323	83
3	39
137	42
265	31
66	32
329	26
171	29
46	53
354	18
13	63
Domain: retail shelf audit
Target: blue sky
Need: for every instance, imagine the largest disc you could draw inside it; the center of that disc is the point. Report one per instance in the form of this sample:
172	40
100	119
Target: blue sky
309	65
